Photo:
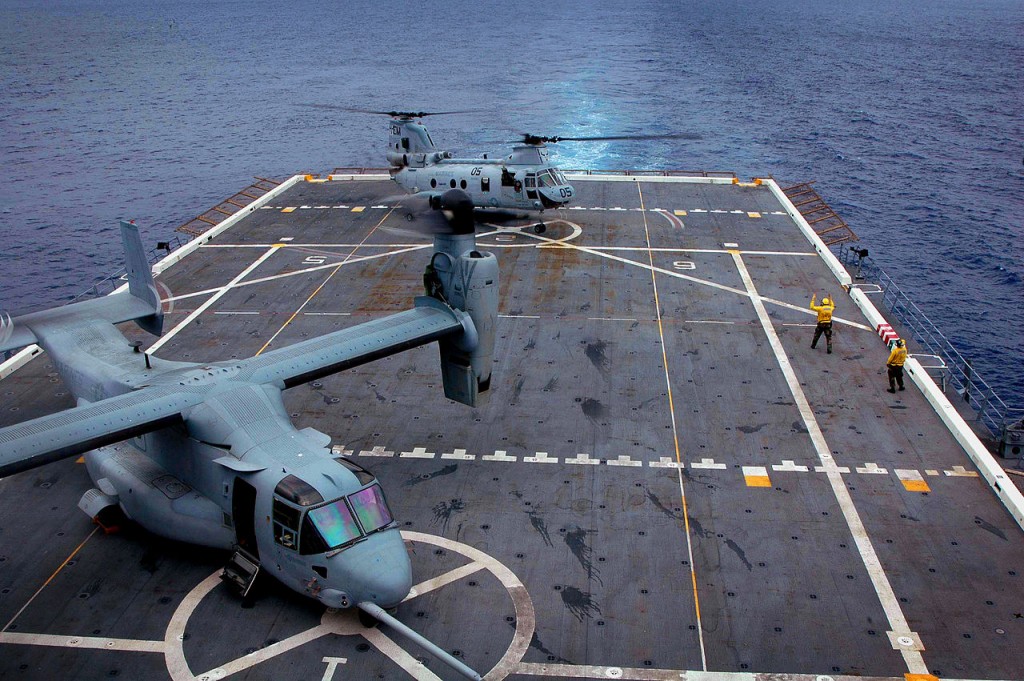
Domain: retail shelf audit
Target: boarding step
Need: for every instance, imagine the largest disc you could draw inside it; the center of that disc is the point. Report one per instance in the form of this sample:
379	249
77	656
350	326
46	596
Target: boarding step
228	207
819	215
241	571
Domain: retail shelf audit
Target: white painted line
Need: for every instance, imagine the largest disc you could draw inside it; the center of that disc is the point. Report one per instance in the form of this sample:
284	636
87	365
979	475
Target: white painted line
59	641
791	466
519	316
326	314
458	454
210	301
237	312
624	460
666	462
708	464
447	578
584	459
960	472
611	319
886	596
871	469
832	468
376	451
417	453
339	450
399	655
287	239
931	471
542	457
499	455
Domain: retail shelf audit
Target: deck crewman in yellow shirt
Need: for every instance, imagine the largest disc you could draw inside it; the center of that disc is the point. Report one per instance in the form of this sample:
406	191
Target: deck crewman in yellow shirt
895	364
824	321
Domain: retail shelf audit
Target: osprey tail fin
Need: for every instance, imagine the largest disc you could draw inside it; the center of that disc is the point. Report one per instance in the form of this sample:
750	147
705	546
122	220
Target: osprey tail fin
140	279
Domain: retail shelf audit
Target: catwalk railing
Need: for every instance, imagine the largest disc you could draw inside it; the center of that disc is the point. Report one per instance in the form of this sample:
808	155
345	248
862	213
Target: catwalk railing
953	371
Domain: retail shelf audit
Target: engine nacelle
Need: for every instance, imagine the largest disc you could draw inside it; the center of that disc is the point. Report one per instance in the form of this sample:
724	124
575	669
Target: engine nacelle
469	281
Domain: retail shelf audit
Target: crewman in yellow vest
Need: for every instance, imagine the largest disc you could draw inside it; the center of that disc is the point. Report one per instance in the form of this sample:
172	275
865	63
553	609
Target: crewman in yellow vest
895	365
824	321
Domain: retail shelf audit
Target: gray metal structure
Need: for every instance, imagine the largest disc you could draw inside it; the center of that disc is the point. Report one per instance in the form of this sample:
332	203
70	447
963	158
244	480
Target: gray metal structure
665	482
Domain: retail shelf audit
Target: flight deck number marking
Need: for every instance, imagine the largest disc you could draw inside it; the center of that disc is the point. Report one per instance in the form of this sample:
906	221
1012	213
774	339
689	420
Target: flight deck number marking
684	265
314	260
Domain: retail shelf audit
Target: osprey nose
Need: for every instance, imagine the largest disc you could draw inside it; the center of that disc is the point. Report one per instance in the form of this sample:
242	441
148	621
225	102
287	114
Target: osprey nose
388	588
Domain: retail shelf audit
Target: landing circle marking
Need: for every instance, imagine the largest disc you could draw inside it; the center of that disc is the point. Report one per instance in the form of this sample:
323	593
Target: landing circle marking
346	622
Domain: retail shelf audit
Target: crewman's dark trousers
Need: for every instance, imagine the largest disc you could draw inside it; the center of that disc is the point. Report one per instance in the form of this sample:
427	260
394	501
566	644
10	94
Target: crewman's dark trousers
895	377
823	328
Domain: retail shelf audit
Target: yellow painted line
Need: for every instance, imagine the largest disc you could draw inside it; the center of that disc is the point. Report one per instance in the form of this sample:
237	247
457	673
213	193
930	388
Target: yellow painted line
359	209
753	214
920	677
913	481
681	213
756	476
289	209
278	245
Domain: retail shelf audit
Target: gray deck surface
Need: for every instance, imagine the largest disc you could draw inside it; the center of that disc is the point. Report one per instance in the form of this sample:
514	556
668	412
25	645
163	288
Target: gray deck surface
604	550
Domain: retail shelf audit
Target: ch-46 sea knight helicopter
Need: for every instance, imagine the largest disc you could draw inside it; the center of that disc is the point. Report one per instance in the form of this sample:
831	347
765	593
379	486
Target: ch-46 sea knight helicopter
215	456
525	180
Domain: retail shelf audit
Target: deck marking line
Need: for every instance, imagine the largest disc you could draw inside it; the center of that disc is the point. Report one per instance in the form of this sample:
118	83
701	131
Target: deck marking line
961	472
708	464
912	480
51	578
788	465
376	451
417	453
624	460
675	438
399	655
459	454
324	282
871	469
210	301
583	458
886	596
499	455
756	476
541	457
665	462
66	641
435	583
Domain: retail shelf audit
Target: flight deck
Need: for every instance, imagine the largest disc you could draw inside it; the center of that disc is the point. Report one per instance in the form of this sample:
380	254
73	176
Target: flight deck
665	481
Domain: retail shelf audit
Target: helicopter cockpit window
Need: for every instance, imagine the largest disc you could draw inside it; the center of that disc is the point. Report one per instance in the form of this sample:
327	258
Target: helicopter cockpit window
371	509
559	176
297	491
546	179
405	143
362	475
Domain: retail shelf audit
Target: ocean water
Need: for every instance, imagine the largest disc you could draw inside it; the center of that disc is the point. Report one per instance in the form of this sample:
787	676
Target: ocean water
907	113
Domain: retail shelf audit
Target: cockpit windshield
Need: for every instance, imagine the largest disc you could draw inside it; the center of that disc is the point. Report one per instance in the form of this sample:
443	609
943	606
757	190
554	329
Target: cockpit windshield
545	179
371	509
335	523
345	520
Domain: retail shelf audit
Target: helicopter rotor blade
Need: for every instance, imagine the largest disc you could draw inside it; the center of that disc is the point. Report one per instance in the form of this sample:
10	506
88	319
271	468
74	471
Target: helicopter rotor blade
393	114
529	138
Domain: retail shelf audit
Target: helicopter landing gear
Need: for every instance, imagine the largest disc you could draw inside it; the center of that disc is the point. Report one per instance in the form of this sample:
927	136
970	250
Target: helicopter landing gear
540	228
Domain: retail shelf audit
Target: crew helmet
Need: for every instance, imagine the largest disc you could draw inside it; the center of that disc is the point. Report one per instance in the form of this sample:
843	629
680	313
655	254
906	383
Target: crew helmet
826	301
899	342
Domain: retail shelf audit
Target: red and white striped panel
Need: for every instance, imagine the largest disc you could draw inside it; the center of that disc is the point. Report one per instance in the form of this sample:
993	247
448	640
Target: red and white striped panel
888	336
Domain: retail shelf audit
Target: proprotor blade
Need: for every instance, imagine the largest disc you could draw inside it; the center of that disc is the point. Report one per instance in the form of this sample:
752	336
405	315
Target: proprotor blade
528	138
393	114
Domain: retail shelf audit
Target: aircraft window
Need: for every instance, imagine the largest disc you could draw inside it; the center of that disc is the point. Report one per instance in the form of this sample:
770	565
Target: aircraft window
507	179
286	515
297	491
285	537
433	182
462	183
545	179
335	523
364	476
531	181
371	509
405	143
485	184
452	183
560	177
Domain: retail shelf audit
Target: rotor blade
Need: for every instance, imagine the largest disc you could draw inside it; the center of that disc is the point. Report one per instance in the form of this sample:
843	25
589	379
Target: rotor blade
674	135
404	114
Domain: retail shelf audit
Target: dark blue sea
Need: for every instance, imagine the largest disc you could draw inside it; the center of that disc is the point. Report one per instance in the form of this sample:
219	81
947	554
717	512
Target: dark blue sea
907	113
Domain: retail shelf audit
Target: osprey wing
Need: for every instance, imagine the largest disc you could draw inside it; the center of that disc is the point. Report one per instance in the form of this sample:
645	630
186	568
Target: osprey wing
74	431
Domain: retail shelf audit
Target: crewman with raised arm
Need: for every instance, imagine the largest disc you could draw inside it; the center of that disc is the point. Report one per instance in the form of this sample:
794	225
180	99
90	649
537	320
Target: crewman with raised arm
895	364
824	321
